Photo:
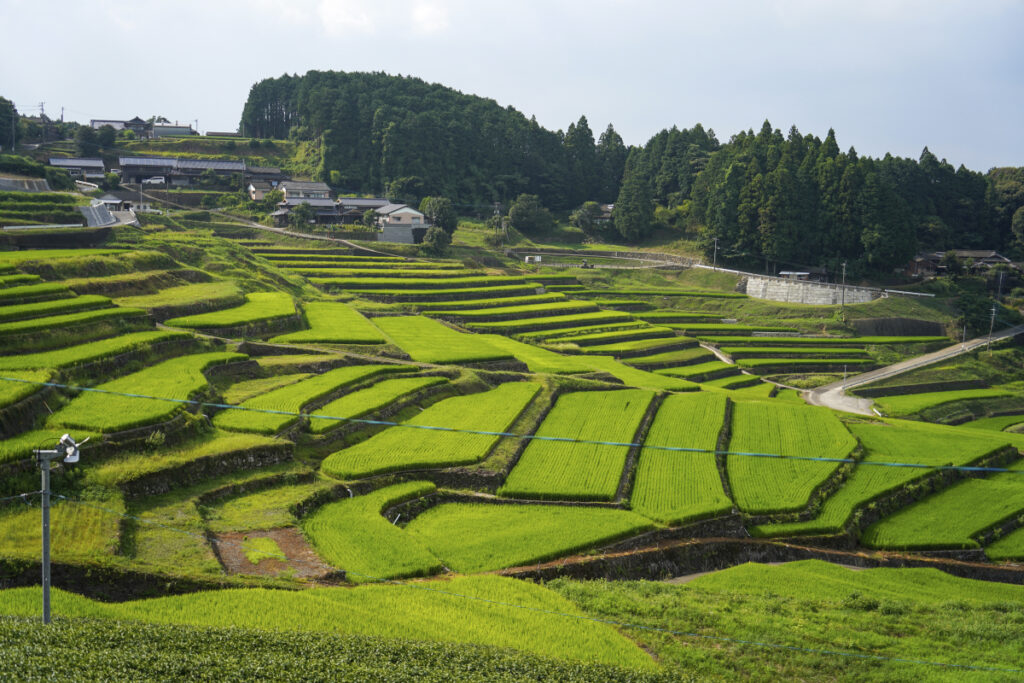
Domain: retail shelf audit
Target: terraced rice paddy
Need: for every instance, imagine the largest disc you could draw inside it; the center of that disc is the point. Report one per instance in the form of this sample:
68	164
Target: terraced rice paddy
763	485
910	404
333	323
676	487
538	359
951	518
884	443
580	471
54	307
366	401
550	322
43	291
259	307
429	341
27	384
1009	547
55	322
294	398
401	448
471	537
351	535
186	295
178	379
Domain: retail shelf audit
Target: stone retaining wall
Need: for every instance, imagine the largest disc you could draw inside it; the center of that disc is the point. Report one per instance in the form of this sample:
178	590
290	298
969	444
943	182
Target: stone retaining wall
806	292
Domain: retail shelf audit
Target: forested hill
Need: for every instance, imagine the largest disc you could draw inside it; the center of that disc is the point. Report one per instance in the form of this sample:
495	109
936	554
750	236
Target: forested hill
403	136
769	198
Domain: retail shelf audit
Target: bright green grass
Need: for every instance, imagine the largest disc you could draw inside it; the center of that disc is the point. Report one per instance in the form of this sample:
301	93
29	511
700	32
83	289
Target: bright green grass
761	485
996	424
675	487
352	535
754	363
480	537
950	518
16	258
271	362
42	290
909	404
126	467
1009	547
472	304
369	400
790	395
401	448
184	295
77	532
762	390
731	381
20	447
639	378
538	359
820	341
774	351
85	353
11	392
389	272
333	323
905	614
427	612
55	307
550	335
266	509
429	341
66	320
580	471
18	279
418	295
680	356
676	316
178	378
294	397
637	345
243	391
697	329
260	548
662	291
417	283
259	306
552	322
885	443
625	332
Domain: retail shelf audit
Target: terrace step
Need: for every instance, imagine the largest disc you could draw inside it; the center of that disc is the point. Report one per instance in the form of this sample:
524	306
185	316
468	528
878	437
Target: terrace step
416	295
550	323
617	336
498	314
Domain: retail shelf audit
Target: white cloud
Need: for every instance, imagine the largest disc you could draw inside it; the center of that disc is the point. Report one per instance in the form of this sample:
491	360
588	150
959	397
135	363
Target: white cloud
343	16
429	17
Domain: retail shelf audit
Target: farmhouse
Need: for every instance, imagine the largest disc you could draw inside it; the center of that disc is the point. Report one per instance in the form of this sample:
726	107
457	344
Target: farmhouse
181	172
84	169
136	125
297	189
124	200
930	263
401	223
325	210
258	189
352	209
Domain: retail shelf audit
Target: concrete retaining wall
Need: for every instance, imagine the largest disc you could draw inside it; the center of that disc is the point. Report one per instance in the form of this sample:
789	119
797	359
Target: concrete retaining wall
805	292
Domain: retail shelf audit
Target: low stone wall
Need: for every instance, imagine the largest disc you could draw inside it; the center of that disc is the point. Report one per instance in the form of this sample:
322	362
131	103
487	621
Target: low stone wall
806	292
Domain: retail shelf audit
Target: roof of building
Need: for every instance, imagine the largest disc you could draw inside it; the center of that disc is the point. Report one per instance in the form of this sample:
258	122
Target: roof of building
261	185
205	164
362	202
163	162
116	124
303	185
136	121
979	253
109	198
97	216
315	203
392	208
264	170
75	162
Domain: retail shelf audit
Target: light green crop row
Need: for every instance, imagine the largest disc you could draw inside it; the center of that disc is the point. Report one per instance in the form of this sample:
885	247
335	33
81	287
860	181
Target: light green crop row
400	283
294	397
680	357
178	379
351	535
369	400
776	351
634	377
519	311
183	295
818	341
429	341
470	304
580	471
675	487
333	323
16	258
13	391
553	322
640	345
572	334
914	403
760	484
393	273
409	448
17	279
86	353
42	290
538	359
662	292
699	329
699	370
677	316
473	538
55	307
417	295
66	320
781	362
259	306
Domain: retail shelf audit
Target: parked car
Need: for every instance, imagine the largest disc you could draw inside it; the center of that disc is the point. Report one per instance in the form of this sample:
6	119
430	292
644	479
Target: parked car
155	180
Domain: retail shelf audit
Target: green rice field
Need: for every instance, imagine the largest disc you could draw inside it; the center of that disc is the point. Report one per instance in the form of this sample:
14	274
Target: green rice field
259	307
429	341
369	400
333	323
55	307
910	404
92	351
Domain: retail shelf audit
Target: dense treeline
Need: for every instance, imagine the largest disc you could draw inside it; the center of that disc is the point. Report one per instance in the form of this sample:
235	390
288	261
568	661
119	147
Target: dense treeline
405	137
769	199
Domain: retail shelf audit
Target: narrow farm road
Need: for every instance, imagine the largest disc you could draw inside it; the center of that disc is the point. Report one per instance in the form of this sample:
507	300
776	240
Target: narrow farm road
834	395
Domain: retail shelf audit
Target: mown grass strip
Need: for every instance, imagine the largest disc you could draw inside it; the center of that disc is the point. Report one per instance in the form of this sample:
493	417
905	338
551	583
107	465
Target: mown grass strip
369	400
333	323
398	448
259	306
762	485
391	273
480	537
56	307
419	295
352	534
429	341
17	258
178	378
92	351
580	471
294	397
634	377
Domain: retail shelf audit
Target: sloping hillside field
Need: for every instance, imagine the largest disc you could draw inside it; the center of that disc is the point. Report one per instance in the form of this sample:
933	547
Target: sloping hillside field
317	460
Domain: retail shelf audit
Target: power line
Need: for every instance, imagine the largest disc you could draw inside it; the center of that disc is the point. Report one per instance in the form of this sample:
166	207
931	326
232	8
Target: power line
529	437
568	615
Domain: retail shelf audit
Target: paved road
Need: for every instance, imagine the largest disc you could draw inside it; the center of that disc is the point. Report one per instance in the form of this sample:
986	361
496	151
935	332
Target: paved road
834	395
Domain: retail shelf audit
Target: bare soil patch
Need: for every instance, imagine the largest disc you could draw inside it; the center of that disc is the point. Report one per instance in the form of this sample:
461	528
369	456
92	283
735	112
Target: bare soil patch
302	562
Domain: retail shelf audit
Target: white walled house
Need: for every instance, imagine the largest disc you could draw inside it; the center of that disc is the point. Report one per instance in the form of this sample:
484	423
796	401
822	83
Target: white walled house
400	215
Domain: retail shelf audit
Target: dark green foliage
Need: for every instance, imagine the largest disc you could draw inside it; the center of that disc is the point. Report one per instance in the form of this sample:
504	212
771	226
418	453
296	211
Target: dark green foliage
440	212
111	181
8	119
86	649
528	215
634	209
105	136
436	241
86	142
301	216
584	217
57	178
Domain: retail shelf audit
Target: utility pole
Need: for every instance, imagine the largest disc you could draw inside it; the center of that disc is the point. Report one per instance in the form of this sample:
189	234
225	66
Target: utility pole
991	326
715	258
963	339
842	305
999	295
68	450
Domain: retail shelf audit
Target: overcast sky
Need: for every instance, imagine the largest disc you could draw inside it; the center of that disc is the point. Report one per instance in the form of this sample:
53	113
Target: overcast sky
888	75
